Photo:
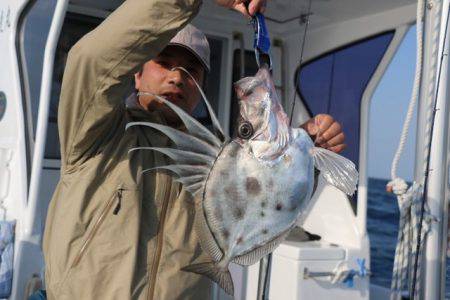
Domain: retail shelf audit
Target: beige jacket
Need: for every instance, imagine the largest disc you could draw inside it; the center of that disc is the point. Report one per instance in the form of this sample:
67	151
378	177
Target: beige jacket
112	232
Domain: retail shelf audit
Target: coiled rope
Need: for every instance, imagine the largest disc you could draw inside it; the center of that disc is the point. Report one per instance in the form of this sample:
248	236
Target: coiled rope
415	217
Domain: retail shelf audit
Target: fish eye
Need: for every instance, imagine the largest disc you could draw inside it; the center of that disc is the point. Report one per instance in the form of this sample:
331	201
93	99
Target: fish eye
245	130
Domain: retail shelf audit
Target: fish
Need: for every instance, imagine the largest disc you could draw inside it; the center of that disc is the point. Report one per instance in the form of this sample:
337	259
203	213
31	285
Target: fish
250	190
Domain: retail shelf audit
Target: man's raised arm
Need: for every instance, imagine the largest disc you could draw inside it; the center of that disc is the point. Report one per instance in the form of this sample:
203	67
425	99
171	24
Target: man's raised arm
100	67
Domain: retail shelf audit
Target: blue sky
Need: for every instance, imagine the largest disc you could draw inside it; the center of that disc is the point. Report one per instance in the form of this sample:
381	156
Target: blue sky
388	111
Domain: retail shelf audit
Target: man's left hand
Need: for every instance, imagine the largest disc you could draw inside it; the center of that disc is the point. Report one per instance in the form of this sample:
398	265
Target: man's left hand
254	6
326	132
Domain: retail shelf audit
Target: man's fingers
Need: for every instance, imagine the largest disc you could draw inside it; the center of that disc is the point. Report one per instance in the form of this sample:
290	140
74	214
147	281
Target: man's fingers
323	122
256	6
329	133
338	149
311	128
336	140
242	9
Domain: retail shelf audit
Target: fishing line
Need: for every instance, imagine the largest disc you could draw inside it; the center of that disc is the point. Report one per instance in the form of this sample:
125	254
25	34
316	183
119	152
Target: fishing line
301	60
425	188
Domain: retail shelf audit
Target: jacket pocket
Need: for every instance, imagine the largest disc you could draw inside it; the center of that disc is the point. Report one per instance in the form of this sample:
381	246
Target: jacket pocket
114	201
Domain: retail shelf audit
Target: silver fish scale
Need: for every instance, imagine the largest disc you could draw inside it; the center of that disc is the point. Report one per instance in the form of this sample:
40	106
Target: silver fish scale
248	202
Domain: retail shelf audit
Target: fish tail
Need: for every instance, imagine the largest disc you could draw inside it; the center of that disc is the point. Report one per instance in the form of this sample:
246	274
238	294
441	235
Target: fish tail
214	272
336	169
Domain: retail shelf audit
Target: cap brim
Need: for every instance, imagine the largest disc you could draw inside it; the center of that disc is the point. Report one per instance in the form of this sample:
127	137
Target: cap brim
207	68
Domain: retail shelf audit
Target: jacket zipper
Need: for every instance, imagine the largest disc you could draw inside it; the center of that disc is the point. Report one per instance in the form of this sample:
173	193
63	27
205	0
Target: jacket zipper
159	243
97	225
119	202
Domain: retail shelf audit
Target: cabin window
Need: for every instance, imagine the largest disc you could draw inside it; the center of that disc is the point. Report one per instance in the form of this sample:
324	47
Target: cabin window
250	69
212	87
76	26
335	82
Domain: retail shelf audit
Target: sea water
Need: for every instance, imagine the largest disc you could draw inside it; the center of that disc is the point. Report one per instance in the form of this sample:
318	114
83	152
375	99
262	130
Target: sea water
382	225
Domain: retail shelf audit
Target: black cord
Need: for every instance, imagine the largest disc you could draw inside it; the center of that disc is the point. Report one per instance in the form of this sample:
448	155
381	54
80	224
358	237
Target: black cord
300	65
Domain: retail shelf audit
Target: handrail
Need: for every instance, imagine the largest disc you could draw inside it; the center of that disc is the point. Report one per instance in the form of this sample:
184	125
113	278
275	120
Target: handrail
44	106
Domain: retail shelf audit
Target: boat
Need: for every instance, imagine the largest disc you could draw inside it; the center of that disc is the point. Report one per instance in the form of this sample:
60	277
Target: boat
328	57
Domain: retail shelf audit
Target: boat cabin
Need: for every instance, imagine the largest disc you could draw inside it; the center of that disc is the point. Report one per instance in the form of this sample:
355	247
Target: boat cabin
328	57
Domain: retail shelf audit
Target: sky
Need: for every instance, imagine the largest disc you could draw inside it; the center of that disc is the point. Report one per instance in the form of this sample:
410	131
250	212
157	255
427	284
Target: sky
388	111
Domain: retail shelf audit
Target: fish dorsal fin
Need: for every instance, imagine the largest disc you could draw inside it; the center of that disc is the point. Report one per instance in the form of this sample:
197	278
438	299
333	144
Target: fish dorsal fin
192	177
214	119
336	169
255	255
192	125
182	140
215	273
180	156
204	235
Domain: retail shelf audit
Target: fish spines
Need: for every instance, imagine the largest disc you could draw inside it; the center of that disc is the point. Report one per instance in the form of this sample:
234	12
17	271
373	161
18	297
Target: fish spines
217	274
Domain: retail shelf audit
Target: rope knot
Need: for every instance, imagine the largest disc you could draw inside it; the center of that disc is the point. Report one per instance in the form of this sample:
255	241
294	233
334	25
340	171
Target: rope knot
398	186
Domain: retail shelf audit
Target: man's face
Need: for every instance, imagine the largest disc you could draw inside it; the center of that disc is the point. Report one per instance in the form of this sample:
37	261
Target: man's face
157	77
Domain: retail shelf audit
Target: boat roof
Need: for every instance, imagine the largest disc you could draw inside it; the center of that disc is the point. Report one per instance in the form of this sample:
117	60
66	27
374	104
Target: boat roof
324	12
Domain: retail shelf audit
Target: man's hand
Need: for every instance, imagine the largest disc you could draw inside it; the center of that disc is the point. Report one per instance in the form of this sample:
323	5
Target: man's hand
254	6
326	132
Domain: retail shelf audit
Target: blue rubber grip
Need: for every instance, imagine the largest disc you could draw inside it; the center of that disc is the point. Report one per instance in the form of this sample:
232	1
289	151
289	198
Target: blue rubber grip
262	40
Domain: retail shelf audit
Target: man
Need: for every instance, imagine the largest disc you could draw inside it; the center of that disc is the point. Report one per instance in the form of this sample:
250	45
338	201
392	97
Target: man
112	231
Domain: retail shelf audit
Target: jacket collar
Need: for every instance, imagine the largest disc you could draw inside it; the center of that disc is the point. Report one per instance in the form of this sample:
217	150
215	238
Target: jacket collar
137	112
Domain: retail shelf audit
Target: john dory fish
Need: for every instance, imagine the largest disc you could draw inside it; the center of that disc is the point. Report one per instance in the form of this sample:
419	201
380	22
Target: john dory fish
250	191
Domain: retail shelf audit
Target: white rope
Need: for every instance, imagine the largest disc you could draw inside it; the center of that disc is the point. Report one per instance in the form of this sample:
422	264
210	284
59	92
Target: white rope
415	91
343	273
406	197
410	200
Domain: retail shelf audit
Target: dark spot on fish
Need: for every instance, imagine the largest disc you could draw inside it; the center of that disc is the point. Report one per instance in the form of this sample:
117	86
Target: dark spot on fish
234	149
239	240
263	204
287	159
263	214
238	213
279	206
265	231
262	110
224	174
226	234
232	192
252	186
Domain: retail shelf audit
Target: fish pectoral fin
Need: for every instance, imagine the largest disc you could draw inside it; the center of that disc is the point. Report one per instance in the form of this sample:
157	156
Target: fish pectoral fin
211	270
255	255
336	169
